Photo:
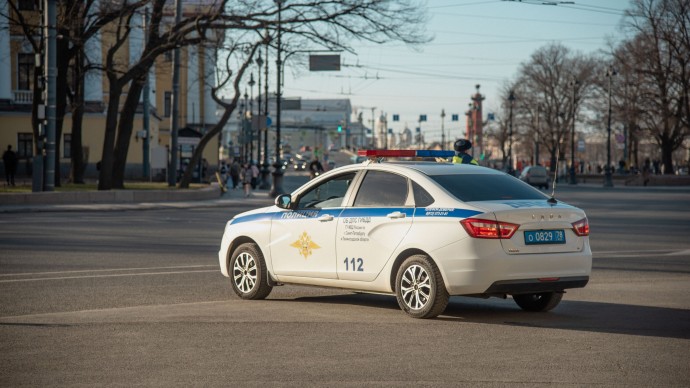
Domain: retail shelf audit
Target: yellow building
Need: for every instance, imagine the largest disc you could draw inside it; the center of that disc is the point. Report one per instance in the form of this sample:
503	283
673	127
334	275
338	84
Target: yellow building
197	108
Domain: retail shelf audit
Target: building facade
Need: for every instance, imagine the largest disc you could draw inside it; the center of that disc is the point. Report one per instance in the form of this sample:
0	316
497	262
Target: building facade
197	108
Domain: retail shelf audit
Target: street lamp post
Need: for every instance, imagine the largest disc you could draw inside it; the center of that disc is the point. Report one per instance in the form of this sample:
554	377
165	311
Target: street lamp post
265	171
443	129
536	139
511	99
240	131
573	179
277	187
245	131
608	181
259	62
251	119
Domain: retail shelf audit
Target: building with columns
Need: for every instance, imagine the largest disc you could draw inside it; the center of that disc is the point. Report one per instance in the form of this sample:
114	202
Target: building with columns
197	108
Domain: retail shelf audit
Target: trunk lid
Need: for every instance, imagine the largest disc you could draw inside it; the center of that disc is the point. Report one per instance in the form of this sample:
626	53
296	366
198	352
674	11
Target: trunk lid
543	227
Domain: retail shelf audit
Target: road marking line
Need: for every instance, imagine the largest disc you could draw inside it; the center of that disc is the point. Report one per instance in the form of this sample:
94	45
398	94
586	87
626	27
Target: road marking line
105	276
106	270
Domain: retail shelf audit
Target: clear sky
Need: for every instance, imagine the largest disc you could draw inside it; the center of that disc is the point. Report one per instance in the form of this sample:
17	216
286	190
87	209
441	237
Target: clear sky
475	42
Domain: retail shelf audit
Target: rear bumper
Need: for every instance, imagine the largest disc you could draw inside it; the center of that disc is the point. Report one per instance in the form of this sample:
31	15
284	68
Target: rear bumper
528	286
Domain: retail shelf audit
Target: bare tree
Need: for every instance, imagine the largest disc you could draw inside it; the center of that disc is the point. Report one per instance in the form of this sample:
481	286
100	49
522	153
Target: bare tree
557	81
77	22
310	24
659	57
159	38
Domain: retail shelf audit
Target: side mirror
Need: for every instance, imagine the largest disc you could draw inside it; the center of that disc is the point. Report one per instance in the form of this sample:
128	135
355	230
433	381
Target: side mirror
283	201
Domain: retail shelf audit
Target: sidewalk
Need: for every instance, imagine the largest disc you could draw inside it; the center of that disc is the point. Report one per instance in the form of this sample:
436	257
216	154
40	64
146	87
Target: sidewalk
119	200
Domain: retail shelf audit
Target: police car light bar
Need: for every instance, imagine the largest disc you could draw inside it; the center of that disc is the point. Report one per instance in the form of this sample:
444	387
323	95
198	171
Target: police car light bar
406	153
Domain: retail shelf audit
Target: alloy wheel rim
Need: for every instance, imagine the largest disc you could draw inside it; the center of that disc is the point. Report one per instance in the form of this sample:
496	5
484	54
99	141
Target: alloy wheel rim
415	287
244	272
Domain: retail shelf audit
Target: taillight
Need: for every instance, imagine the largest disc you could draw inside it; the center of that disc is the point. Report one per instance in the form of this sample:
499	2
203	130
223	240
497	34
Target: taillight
581	228
479	228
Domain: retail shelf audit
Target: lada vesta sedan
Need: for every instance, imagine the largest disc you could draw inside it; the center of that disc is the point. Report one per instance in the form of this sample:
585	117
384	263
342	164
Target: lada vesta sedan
422	231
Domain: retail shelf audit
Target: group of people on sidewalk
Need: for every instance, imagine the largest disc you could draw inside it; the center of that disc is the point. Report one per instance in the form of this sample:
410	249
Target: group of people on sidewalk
236	173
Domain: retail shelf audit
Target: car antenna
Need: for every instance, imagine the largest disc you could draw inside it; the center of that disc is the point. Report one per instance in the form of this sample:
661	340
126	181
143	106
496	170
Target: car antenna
553	200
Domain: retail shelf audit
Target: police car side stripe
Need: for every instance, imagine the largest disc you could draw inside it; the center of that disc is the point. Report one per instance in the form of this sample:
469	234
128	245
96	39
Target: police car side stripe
376	211
445	212
252	217
360	212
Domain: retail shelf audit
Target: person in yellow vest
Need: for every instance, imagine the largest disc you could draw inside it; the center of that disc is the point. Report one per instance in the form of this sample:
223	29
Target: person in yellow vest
461	156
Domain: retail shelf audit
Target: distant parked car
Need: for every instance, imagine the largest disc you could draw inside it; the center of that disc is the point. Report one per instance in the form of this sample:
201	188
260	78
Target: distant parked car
535	176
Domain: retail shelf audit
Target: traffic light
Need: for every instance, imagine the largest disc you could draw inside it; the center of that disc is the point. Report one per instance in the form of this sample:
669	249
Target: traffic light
340	128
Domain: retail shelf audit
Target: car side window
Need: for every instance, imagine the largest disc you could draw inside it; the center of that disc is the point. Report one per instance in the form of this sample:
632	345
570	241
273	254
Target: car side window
327	194
381	188
422	198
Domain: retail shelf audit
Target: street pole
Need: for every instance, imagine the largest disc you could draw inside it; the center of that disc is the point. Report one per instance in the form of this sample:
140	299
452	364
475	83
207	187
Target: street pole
175	120
259	159
245	129
608	181
511	98
536	139
373	130
443	129
362	144
240	131
573	179
146	158
51	68
277	188
265	171
250	117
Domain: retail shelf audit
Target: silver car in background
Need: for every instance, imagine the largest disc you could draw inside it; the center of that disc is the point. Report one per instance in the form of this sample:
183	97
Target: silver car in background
536	176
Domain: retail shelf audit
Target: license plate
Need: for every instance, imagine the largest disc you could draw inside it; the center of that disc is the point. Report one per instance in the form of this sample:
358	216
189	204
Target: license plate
544	237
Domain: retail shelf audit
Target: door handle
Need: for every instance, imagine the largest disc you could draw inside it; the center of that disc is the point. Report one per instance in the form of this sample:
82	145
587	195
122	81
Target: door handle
326	217
396	215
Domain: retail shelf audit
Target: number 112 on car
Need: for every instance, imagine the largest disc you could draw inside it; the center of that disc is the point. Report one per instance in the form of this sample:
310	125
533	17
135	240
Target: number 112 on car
352	264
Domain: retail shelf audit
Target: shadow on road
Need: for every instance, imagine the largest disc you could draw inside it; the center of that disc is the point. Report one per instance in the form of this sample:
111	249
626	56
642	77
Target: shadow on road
569	315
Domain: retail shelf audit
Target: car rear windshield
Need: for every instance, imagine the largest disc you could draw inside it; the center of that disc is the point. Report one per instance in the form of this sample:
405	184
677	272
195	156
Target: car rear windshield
486	187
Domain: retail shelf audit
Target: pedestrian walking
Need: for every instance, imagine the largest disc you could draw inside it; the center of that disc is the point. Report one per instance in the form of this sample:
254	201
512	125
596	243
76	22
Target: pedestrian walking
235	173
255	175
9	159
223	173
246	179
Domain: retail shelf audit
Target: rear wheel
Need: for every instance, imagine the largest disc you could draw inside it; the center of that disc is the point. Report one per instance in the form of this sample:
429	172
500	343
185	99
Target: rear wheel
248	273
543	301
419	288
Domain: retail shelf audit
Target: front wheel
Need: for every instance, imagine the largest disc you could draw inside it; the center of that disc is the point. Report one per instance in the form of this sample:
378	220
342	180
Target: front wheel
248	273
419	288
543	301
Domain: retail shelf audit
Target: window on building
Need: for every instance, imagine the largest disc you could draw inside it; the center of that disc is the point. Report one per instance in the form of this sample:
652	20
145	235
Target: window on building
25	71
25	145
167	104
27	5
67	145
168	55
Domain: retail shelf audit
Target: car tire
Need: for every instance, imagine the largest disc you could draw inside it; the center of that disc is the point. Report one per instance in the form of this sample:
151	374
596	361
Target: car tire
248	274
543	301
419	288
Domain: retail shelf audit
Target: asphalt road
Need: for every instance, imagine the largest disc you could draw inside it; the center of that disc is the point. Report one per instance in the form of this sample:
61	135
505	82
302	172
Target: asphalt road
136	298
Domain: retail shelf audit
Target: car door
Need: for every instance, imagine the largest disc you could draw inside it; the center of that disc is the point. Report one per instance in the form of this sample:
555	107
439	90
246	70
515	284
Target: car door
303	239
370	230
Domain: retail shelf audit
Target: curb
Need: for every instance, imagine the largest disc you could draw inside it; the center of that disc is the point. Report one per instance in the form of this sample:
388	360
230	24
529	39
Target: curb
111	196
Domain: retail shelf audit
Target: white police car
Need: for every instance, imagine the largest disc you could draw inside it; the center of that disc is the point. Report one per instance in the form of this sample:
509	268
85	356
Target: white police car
420	230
